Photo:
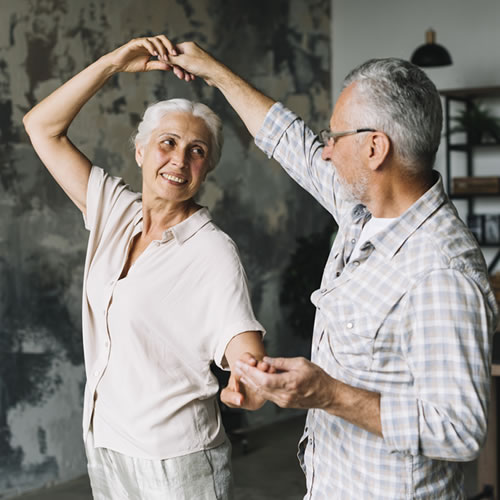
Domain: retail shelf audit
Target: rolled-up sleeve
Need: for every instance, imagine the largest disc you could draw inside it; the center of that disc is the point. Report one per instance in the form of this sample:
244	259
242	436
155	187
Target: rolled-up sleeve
448	328
285	137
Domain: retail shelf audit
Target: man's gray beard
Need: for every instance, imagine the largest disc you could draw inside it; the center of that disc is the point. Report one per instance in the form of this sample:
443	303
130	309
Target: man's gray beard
355	192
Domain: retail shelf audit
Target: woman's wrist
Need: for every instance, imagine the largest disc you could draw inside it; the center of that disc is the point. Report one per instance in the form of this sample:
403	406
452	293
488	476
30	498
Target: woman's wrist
106	66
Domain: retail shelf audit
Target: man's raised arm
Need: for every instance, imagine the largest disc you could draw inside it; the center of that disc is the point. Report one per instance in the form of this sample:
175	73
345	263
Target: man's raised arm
250	104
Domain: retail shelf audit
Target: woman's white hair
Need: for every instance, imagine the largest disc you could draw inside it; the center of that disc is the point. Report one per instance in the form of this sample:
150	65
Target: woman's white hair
156	112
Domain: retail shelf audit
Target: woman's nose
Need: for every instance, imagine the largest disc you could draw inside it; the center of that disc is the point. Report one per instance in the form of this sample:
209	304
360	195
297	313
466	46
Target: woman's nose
179	157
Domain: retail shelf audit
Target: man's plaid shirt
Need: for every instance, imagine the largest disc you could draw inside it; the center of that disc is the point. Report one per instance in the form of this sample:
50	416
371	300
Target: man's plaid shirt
411	318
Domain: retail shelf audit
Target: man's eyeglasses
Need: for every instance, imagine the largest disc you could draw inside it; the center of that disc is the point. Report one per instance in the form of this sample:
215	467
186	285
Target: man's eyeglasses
326	135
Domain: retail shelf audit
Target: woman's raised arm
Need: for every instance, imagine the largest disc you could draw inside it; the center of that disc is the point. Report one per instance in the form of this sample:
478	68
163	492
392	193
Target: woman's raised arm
48	122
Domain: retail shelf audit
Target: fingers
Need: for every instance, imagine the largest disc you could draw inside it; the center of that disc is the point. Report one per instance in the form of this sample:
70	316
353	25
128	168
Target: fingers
231	398
171	48
157	65
246	357
160	46
254	377
148	45
173	51
261	365
285	364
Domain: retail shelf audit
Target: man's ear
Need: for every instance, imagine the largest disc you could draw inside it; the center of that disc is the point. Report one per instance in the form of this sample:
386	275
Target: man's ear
139	155
379	146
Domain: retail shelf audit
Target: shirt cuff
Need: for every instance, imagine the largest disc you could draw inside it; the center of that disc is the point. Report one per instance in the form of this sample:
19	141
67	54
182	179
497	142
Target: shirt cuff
277	120
399	416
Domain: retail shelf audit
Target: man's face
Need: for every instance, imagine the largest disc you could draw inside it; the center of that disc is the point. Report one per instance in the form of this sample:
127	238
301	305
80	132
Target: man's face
345	152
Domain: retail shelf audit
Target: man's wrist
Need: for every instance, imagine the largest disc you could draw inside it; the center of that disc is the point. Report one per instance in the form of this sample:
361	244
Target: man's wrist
333	396
221	77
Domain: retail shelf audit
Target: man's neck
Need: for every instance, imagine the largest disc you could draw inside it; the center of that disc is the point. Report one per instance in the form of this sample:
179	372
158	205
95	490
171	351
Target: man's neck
393	198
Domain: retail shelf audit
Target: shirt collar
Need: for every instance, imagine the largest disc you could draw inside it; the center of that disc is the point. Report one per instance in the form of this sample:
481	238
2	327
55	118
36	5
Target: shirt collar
189	227
182	231
390	241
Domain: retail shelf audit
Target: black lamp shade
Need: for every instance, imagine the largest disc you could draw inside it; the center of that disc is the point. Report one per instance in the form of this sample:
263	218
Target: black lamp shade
431	53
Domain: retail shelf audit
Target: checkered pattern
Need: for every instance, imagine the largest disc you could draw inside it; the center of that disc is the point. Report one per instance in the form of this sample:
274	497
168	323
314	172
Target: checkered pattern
410	318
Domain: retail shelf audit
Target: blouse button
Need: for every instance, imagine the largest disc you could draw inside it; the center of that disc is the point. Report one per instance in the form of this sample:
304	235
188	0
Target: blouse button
350	325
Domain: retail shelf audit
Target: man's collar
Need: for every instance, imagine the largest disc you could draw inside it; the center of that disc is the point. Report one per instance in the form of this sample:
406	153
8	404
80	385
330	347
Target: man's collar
390	240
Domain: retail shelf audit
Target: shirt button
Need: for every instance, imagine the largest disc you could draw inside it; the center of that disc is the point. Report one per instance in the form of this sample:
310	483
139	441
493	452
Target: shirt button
350	325
353	241
106	343
96	373
356	263
337	274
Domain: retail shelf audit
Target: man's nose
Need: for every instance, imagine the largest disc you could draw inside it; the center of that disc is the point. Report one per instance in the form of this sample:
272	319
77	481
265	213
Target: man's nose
326	154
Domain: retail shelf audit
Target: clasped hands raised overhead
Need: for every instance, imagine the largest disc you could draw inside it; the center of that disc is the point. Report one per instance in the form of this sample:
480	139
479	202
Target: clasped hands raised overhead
157	53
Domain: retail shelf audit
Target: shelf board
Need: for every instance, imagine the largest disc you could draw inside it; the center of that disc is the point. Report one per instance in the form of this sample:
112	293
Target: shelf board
465	147
473	195
471	93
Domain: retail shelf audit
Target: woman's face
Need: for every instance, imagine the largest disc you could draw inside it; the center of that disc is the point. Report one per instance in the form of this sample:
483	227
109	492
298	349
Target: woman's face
176	158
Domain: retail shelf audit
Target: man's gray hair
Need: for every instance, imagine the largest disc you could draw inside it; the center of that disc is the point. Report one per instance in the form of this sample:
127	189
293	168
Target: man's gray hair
397	98
156	112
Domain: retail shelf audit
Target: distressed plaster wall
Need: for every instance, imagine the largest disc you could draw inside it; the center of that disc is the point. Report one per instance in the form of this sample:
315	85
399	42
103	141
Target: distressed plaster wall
282	46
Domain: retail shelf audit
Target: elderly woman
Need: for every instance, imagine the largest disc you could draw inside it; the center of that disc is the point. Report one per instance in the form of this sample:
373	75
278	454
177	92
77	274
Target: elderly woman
164	293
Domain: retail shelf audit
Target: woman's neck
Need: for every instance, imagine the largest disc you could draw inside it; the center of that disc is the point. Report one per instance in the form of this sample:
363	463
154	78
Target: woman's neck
161	215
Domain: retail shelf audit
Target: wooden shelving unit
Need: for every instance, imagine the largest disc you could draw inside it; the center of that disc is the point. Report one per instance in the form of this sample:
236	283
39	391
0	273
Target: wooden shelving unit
488	471
467	96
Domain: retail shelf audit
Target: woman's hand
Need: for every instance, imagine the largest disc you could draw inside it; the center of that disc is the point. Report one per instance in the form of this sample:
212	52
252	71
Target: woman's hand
136	56
239	395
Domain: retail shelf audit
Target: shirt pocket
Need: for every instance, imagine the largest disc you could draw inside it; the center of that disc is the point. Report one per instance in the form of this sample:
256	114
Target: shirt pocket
351	338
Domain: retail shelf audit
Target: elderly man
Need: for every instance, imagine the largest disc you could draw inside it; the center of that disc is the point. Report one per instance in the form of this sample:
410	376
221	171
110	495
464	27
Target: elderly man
398	383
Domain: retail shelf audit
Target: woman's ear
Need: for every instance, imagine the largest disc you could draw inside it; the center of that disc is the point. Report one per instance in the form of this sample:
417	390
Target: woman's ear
379	147
139	154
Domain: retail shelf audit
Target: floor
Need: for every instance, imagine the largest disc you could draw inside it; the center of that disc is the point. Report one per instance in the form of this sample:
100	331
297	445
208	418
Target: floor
265	468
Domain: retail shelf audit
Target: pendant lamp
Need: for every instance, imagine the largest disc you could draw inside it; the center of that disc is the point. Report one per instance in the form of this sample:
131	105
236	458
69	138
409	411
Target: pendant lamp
431	53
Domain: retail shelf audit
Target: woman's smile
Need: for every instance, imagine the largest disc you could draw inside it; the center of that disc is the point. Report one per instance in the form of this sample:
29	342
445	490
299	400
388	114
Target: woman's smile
174	179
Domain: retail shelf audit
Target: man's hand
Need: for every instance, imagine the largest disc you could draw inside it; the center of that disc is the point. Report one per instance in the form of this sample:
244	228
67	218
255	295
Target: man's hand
196	61
298	383
295	383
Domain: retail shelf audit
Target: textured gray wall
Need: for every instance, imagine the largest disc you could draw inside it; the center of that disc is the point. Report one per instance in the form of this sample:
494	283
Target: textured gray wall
282	46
